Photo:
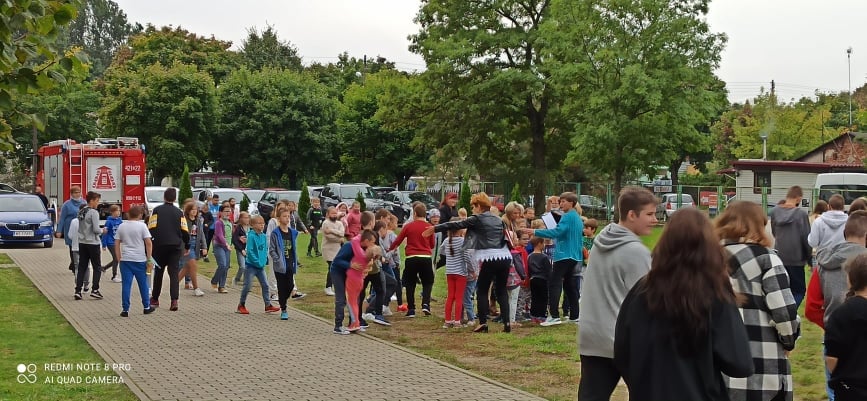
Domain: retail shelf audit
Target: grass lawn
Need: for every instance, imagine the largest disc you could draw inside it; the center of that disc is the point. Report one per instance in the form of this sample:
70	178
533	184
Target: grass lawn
34	332
542	361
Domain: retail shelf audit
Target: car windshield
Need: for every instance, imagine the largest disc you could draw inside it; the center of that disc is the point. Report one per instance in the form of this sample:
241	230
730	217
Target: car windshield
421	197
293	196
155	195
226	195
254	195
351	191
849	192
21	204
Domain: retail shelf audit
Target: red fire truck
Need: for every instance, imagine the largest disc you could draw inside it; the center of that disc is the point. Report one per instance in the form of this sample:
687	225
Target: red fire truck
113	167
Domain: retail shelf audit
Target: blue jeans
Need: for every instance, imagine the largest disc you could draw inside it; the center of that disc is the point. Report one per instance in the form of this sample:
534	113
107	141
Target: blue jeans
468	300
128	270
222	255
249	273
338	280
242	263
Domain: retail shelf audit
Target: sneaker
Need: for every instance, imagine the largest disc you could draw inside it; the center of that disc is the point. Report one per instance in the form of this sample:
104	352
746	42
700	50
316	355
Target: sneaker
575	320
298	295
368	316
77	296
402	308
116	279
425	309
363	324
329	291
341	330
394	297
551	321
223	290
214	286
149	310
174	305
155	303
386	311
447	325
381	320
86	288
284	315
273	296
124	314
353	329
410	313
318	254
96	294
199	293
271	308
243	310
470	323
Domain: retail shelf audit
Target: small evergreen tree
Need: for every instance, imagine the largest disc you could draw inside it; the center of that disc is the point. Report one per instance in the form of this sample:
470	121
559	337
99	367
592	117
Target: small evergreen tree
516	194
304	203
464	200
360	199
185	190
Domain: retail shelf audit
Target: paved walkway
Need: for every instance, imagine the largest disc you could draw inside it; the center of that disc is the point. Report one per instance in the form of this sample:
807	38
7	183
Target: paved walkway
207	352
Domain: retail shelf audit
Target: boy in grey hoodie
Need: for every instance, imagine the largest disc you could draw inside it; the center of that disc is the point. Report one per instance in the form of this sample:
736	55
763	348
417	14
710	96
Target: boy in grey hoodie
827	230
617	261
88	246
791	227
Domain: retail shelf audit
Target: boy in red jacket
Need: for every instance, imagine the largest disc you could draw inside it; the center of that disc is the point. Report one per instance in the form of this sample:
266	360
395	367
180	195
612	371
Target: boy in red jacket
418	259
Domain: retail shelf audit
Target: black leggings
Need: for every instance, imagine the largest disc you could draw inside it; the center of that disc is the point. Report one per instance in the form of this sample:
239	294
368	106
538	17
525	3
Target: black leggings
285	284
496	272
314	241
539	297
563	280
418	268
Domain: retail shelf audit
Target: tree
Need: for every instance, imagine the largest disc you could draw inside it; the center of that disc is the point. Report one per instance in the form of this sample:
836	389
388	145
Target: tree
360	199
172	110
265	49
304	203
99	30
283	121
185	191
28	32
639	79
347	70
371	152
466	196
516	194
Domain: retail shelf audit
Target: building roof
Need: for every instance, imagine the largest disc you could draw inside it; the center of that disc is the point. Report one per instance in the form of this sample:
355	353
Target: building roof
858	136
789	165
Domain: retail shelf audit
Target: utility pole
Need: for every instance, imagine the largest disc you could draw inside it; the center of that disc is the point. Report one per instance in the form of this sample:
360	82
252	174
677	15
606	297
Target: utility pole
849	60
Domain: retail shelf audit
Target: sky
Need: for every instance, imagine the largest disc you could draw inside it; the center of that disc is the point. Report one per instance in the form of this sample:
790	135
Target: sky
800	44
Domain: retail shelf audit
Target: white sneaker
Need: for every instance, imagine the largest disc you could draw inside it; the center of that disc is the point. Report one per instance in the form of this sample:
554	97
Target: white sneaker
274	296
394	297
199	292
329	291
116	280
551	322
368	317
386	311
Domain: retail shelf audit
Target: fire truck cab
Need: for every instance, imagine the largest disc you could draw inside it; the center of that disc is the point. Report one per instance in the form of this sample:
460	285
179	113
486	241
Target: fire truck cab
113	167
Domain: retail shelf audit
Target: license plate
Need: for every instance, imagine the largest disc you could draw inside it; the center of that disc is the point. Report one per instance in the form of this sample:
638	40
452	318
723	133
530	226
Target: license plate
22	233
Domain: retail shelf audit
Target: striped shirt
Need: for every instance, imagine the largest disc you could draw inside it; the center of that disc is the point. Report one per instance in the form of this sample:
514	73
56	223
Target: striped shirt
456	255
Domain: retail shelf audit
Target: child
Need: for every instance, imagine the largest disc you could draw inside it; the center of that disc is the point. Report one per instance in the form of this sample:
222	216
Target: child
377	281
540	270
462	213
108	233
344	261
257	256
516	279
332	235
391	266
363	262
133	245
239	241
315	217
88	246
281	249
73	238
197	247
589	233
222	249
456	275
845	342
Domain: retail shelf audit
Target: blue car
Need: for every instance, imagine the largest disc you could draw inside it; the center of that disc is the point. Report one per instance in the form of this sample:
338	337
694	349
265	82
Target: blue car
23	219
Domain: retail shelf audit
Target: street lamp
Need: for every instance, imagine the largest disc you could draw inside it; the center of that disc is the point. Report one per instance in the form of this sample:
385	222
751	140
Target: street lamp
764	136
849	60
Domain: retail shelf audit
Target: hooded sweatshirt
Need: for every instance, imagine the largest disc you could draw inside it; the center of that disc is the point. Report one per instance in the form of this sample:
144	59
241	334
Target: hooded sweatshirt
791	226
832	277
617	261
827	230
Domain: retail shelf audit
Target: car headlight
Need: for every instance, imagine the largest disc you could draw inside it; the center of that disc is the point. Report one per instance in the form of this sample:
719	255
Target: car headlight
46	223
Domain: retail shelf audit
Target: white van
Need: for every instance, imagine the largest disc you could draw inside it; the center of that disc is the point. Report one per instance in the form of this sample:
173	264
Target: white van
851	185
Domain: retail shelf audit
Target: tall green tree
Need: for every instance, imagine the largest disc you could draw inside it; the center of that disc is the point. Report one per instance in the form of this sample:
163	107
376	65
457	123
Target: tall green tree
487	88
304	203
185	190
28	51
275	122
639	79
172	110
338	75
466	196
265	49
99	30
516	194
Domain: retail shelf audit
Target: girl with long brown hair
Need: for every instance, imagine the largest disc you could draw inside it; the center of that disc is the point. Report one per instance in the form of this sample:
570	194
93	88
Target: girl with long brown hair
679	327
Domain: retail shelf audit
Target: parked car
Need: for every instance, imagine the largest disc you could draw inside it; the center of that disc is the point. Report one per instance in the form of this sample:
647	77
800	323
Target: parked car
253	196
7	188
202	195
668	204
24	219
154	196
593	207
382	191
315	191
399	203
334	194
270	199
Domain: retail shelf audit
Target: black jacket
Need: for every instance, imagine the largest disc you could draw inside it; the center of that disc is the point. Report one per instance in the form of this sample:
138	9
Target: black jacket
168	227
484	231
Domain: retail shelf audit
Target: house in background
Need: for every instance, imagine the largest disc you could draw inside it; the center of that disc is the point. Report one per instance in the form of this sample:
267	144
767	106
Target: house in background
843	154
